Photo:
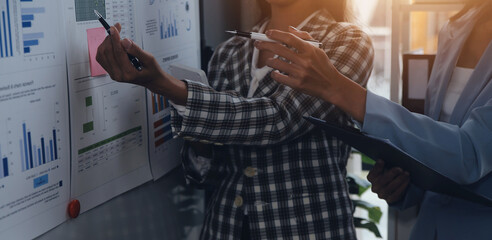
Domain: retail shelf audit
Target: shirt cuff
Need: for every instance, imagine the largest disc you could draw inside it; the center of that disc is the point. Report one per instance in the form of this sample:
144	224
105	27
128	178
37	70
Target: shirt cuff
180	109
373	108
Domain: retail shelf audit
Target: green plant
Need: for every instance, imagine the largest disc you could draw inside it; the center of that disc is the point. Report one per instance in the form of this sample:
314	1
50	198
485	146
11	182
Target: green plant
358	186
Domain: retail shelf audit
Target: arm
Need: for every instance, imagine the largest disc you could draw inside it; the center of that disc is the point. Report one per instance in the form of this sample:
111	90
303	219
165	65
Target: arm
460	153
233	119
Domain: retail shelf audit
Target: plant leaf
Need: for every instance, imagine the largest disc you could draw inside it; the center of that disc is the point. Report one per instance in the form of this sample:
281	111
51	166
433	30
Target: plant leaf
374	212
371	226
362	184
367	160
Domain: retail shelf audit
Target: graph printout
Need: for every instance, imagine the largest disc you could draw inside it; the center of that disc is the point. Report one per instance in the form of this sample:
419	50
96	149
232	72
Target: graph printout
171	32
34	129
108	119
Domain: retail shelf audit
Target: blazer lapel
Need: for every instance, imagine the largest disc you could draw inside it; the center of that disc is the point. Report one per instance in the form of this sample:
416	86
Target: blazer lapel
475	89
451	41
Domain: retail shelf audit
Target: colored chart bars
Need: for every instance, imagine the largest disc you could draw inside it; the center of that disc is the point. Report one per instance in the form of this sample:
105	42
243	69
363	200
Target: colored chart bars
6	48
159	103
163	131
88	126
28	14
168	26
33	155
4	166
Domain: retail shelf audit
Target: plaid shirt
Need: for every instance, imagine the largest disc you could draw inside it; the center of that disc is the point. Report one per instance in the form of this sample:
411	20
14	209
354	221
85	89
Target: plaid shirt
290	175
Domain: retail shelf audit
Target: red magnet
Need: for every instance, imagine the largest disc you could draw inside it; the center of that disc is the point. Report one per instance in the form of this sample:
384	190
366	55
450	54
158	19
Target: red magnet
74	208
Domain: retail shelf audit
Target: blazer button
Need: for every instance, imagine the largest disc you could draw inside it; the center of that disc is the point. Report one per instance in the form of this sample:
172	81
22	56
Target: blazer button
238	201
250	171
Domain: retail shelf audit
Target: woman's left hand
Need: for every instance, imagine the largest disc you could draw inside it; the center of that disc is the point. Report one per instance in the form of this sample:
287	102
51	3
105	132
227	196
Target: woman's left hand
309	66
309	70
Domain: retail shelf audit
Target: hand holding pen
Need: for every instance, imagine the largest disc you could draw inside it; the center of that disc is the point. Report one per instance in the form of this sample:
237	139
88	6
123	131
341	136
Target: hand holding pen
133	60
113	53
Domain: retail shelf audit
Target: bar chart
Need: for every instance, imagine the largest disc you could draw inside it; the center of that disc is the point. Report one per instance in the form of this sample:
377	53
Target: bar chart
168	25
4	165
6	28
39	151
29	16
162	131
159	103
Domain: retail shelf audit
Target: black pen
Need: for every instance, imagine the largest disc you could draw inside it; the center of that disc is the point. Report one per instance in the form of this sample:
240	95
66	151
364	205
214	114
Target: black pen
133	60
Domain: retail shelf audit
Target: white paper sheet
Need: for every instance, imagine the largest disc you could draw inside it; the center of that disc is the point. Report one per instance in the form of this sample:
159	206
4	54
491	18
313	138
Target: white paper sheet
108	119
171	32
34	149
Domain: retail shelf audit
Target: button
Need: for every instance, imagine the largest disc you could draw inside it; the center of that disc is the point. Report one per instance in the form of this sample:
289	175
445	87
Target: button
250	171
218	144
238	201
205	141
187	138
74	208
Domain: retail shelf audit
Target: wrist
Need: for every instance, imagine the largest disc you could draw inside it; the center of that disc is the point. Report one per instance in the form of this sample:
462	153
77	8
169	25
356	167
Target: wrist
350	97
169	87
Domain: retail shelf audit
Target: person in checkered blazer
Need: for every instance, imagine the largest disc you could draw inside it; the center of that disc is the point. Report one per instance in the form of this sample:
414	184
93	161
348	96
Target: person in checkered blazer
274	175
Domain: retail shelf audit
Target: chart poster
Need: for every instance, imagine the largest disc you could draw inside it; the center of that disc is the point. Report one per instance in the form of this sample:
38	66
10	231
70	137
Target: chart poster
108	119
34	129
171	32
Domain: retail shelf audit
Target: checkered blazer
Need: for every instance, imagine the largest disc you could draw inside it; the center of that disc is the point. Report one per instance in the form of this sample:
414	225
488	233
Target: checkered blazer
267	158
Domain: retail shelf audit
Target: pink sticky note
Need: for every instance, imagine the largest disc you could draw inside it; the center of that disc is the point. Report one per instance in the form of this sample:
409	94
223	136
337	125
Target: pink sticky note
95	36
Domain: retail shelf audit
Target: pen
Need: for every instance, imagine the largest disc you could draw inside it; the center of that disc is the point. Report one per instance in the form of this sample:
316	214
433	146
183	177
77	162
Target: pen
133	60
263	37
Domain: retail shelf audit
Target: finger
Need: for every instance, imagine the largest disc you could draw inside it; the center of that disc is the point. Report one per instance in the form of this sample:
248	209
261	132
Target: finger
290	69
396	183
301	34
284	79
397	195
124	67
105	56
289	39
376	171
386	178
389	189
133	49
279	50
118	27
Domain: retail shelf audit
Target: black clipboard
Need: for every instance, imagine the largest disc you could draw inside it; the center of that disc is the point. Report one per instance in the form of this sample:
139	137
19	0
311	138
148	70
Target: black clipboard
420	174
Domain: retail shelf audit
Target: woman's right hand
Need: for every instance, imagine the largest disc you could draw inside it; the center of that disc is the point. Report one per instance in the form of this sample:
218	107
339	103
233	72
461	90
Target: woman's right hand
389	183
112	55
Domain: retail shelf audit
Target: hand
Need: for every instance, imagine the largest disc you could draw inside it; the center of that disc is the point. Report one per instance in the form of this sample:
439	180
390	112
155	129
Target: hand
389	184
112	55
310	71
308	68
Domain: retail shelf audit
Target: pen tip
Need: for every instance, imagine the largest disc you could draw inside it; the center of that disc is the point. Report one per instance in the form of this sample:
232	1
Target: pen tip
97	13
233	32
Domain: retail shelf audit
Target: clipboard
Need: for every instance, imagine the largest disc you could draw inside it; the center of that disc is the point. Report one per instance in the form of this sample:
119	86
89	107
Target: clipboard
420	174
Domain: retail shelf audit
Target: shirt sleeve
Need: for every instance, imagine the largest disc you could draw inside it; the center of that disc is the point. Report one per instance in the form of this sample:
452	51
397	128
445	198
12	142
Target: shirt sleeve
226	117
462	153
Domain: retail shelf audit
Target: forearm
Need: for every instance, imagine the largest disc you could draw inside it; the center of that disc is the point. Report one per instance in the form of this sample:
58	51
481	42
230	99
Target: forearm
229	118
170	87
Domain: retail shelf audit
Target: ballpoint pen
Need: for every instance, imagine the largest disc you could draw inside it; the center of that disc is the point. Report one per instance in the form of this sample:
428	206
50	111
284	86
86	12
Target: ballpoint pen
133	60
263	37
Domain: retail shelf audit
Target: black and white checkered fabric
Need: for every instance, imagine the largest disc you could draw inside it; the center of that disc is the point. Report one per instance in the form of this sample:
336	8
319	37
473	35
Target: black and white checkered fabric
289	175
